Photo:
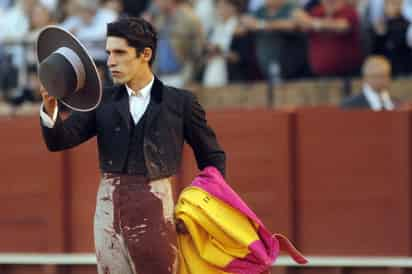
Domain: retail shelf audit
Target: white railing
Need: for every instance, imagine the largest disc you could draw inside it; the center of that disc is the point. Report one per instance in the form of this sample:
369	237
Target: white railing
282	261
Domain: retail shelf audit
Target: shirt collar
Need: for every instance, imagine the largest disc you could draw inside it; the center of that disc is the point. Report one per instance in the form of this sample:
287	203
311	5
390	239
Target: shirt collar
143	92
372	97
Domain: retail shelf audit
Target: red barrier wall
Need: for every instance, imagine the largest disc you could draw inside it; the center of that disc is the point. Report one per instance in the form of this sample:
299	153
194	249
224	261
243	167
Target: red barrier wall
353	186
336	183
31	192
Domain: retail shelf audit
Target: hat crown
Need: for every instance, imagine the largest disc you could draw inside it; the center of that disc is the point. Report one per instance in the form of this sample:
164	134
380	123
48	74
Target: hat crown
58	76
62	72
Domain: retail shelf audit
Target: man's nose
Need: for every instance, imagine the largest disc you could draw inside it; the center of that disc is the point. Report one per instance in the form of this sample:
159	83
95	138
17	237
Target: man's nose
110	61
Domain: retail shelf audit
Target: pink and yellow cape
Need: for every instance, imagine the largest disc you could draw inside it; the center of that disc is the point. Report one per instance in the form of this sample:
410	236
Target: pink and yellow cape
225	235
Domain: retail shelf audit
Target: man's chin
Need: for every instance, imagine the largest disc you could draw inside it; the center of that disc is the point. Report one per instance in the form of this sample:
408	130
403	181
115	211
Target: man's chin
118	81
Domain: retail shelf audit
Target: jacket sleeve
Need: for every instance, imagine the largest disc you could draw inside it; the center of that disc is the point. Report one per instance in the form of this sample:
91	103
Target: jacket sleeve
76	129
201	137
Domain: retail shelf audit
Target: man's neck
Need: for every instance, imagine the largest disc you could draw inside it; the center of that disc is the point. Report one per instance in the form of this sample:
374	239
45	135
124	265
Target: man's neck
377	91
140	82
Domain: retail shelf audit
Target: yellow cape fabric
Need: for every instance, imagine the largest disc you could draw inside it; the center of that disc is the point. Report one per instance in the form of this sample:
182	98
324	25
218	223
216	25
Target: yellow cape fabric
218	233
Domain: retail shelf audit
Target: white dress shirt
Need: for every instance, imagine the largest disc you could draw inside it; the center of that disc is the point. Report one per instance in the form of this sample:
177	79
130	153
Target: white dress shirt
138	103
378	101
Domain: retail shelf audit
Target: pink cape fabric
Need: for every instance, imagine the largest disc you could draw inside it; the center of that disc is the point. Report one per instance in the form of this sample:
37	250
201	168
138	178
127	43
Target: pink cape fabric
263	252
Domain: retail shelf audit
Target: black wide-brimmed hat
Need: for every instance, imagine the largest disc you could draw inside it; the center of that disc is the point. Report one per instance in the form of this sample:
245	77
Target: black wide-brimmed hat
66	70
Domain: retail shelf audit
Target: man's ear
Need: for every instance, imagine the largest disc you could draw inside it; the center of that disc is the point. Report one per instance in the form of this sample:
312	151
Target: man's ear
147	54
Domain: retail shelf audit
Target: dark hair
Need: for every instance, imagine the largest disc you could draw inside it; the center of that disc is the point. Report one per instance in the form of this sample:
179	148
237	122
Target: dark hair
238	4
138	33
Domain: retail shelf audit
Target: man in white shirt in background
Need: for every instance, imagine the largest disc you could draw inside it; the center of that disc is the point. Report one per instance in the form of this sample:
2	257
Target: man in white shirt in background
376	74
89	26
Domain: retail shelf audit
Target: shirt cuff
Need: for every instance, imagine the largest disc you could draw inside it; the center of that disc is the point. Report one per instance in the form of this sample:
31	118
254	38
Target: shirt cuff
45	118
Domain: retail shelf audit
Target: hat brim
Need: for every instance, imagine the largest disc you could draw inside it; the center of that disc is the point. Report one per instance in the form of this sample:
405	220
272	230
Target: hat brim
89	96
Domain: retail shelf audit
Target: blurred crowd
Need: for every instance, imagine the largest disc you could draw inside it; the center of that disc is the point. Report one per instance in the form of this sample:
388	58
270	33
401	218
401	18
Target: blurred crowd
218	42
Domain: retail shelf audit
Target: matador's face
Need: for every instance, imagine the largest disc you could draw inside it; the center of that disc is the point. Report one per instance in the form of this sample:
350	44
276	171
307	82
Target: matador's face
123	61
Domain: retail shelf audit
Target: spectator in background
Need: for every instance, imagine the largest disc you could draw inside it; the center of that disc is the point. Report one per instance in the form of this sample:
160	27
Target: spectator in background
89	23
135	7
334	39
389	38
407	9
254	5
15	24
14	21
206	12
277	42
219	47
114	5
308	4
180	41
39	17
376	10
363	9
51	5
376	75
29	92
241	61
5	5
64	9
